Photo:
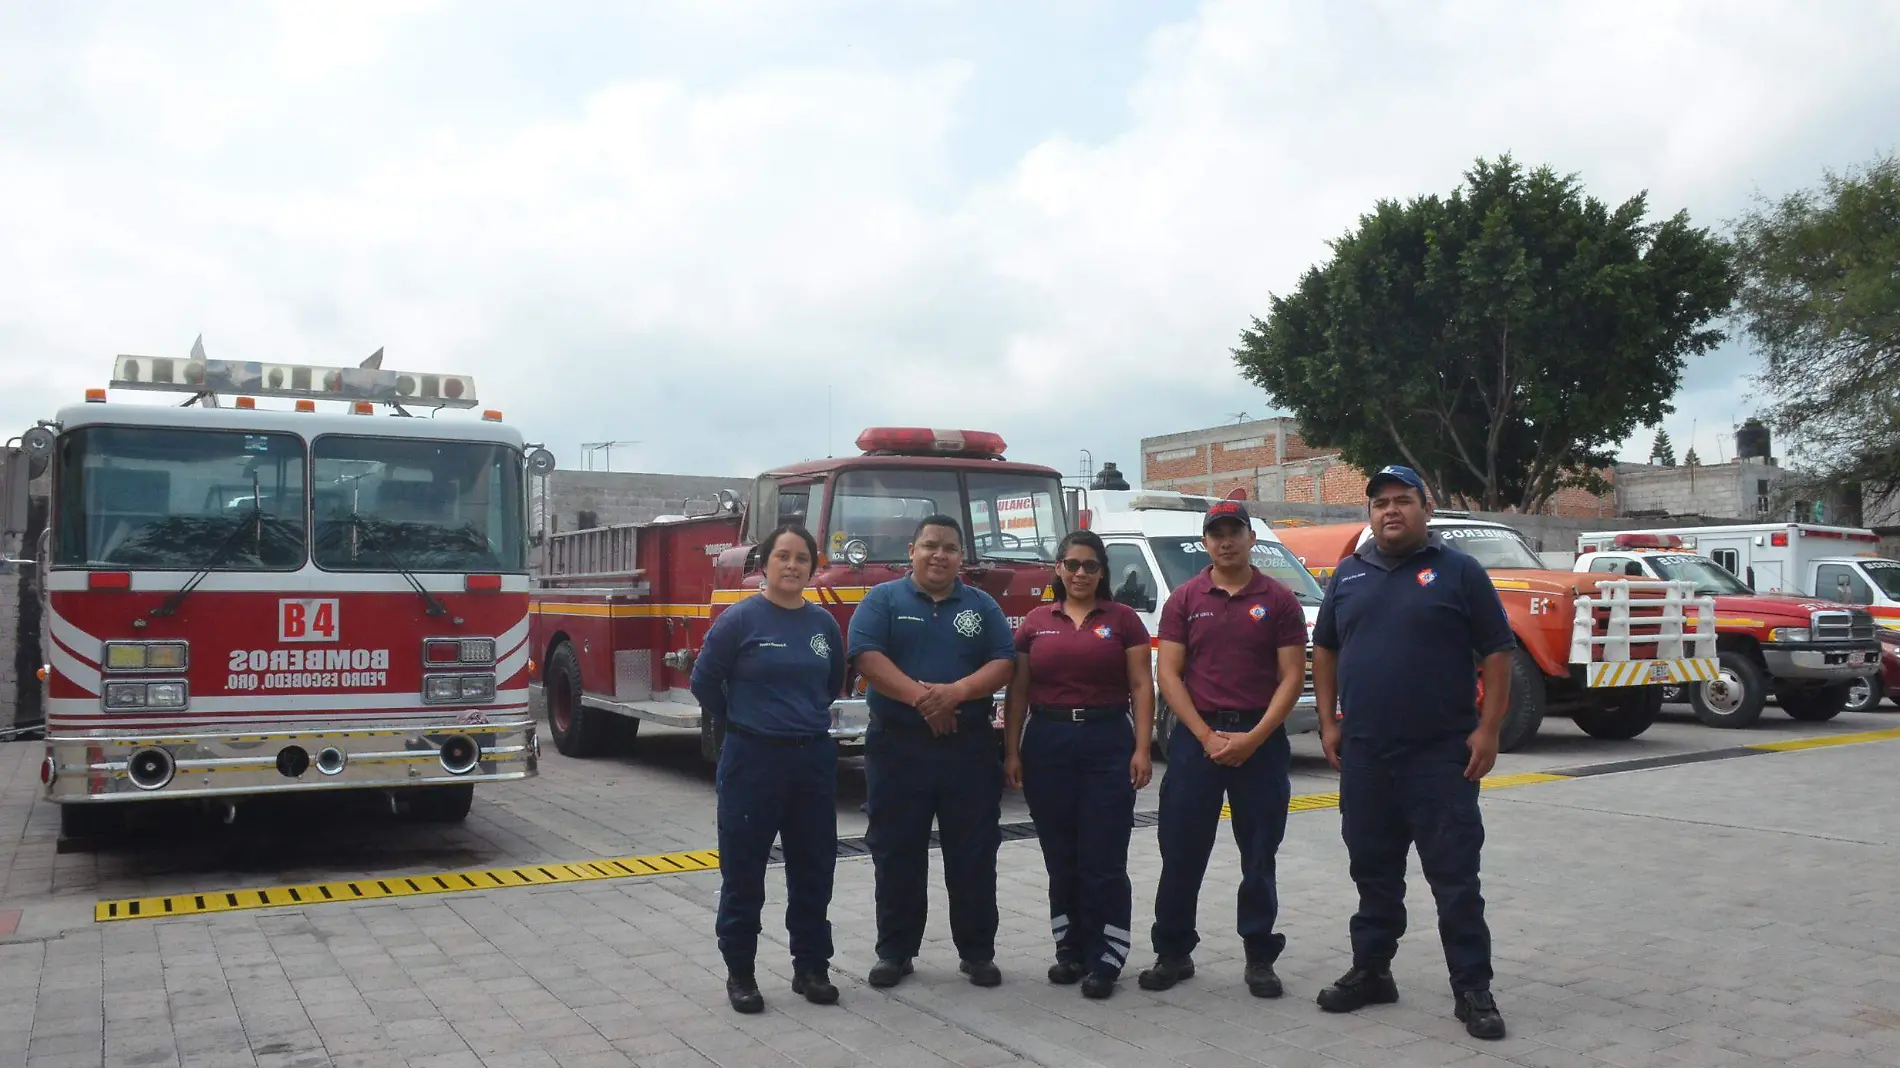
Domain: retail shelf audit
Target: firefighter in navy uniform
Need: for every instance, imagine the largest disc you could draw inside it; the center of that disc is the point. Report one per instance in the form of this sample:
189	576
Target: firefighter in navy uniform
1231	664
934	651
1406	628
770	667
1079	717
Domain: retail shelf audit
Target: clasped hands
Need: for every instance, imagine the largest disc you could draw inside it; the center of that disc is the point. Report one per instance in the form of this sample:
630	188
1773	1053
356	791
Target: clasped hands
939	703
1229	748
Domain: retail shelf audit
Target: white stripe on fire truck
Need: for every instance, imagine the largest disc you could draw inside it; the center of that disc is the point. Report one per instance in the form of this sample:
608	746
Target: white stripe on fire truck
307	582
82	645
85	714
69	667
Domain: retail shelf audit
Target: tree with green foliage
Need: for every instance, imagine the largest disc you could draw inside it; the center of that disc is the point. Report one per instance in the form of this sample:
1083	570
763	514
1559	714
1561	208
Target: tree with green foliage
1820	293
1500	340
1663	452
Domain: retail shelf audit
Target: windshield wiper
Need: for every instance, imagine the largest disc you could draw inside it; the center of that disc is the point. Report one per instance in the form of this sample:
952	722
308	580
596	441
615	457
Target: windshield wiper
374	544
216	559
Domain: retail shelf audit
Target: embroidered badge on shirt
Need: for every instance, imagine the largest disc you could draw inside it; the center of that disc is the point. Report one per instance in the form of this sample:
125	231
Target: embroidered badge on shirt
820	646
1104	631
1427	577
969	623
1258	612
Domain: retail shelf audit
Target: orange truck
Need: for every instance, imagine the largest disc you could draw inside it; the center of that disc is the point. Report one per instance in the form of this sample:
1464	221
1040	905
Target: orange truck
1599	652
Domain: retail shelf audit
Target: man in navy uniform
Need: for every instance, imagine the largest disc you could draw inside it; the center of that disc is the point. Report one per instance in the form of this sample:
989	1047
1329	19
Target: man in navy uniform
935	651
1407	626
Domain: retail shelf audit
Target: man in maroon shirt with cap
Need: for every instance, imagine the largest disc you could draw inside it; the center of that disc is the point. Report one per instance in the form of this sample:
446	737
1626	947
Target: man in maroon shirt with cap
1231	664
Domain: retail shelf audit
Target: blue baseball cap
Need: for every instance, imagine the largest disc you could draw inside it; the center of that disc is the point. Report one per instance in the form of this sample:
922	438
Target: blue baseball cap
1397	473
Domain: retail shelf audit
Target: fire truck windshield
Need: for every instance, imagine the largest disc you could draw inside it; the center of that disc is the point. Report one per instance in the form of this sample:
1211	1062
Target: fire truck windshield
179	499
409	504
1494	547
1711	579
1013	516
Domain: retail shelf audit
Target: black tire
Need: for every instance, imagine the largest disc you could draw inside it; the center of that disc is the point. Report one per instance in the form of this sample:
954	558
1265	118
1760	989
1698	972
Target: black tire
1625	713
1736	697
1164	728
1865	694
440	804
1528	702
578	731
712	737
1815	704
83	821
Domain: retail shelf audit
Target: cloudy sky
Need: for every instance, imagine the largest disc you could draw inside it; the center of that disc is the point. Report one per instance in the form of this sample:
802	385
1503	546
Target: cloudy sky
698	224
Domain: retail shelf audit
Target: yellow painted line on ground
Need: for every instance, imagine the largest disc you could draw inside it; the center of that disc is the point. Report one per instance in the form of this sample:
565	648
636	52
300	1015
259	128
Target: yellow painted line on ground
395	886
1824	741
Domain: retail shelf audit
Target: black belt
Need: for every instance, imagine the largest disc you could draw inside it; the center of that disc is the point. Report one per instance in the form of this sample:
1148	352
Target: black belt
782	741
1090	714
918	724
1227	720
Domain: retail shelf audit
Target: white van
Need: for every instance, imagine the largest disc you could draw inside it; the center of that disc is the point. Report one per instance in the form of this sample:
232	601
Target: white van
1154	545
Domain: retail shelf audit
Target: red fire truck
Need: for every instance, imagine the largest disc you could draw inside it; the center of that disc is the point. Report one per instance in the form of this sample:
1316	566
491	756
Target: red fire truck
621	611
240	601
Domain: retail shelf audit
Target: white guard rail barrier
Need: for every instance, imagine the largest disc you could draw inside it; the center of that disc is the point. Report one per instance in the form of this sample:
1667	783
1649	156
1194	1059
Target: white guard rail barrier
1674	619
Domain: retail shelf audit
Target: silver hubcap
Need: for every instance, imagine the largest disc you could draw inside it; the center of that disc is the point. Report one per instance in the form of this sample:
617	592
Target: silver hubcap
1723	694
1858	693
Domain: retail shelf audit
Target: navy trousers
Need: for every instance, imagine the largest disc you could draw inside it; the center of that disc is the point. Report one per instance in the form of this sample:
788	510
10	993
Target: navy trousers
1075	778
1415	796
771	791
1257	792
912	779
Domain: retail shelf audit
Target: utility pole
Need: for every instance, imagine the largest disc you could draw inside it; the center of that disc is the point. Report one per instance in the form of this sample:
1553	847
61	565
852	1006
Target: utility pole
592	448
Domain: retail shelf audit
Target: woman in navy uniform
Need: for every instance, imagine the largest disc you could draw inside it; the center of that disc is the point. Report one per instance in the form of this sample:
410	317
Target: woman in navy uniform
1084	679
770	668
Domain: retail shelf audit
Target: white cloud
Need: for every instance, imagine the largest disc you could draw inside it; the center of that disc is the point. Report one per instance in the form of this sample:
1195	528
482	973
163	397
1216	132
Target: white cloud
693	264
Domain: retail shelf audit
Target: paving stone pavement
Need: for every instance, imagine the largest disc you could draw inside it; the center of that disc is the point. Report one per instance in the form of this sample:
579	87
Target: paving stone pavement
1736	912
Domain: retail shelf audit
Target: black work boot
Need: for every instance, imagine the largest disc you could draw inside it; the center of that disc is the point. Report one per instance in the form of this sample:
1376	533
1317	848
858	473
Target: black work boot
889	971
1066	971
1098	985
1357	989
815	985
743	991
982	972
1480	1014
1261	980
1166	972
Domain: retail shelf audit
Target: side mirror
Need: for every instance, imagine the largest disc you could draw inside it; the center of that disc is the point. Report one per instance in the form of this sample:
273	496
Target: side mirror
15	479
698	509
1751	578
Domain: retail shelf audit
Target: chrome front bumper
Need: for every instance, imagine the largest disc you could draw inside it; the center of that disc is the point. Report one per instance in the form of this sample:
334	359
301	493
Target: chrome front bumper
1304	718
850	720
1840	663
95	768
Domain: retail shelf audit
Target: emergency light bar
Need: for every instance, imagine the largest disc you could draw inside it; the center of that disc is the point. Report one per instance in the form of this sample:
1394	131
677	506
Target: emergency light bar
302	381
923	441
1647	541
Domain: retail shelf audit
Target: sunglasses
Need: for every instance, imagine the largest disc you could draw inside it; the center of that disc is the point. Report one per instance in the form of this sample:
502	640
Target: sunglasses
1087	567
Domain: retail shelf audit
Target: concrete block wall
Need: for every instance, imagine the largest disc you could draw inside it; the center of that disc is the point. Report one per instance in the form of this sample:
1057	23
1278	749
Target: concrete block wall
1725	489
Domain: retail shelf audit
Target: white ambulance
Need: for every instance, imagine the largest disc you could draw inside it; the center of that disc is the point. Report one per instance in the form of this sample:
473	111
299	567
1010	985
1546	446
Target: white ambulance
1154	545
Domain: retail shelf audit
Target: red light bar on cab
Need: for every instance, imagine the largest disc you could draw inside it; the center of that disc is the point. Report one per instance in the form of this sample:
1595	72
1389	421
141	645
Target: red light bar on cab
197	374
924	441
1647	541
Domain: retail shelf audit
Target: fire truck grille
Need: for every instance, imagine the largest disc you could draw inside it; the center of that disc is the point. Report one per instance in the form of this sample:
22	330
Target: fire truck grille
1838	626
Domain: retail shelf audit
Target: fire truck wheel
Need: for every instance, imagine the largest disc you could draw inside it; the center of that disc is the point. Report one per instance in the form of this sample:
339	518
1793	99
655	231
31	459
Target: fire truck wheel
1735	697
578	731
90	821
441	804
1814	704
1630	712
1526	713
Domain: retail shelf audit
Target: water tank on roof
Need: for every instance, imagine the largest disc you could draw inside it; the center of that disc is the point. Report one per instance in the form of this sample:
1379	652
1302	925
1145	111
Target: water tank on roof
1108	478
1751	441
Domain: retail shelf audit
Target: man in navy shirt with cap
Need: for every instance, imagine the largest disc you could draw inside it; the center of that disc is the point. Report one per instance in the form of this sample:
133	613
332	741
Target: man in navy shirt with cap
1407	626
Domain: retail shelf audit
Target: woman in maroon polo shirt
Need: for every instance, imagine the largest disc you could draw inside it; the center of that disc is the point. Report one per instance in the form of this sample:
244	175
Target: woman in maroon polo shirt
1078	718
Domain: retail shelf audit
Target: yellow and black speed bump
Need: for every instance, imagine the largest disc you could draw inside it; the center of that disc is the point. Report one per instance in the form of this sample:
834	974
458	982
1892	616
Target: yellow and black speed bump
149	908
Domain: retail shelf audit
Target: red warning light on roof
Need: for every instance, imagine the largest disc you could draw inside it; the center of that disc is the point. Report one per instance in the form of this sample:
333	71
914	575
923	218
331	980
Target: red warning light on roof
1648	541
924	441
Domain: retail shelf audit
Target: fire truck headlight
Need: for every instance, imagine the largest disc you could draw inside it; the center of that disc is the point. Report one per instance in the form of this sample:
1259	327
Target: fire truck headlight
477	650
125	695
478	687
165	695
165	656
1788	634
441	689
125	657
